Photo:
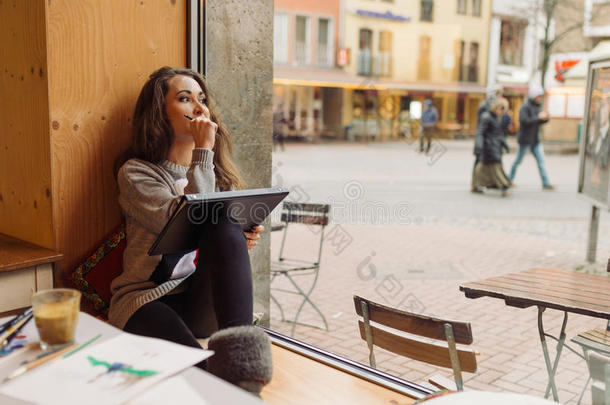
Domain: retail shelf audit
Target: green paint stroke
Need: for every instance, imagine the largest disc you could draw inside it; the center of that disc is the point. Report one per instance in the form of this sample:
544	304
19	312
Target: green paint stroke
123	368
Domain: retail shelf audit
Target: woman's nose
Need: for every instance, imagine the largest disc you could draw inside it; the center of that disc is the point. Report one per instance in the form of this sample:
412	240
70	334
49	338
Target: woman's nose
199	108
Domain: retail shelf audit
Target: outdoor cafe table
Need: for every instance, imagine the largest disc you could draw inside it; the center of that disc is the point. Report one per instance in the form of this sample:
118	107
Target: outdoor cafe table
565	290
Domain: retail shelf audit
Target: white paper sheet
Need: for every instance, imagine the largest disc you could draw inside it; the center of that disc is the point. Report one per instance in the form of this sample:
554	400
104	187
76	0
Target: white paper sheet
111	372
174	390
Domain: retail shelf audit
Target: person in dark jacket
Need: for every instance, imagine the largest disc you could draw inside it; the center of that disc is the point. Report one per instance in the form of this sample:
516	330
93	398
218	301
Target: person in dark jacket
530	119
489	172
493	93
429	118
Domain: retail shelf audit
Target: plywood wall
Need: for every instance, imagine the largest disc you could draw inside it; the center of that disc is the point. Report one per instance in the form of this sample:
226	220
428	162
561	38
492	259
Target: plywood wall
25	159
99	55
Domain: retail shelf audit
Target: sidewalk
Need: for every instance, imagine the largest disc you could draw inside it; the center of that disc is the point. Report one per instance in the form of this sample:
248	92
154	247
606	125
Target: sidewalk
425	278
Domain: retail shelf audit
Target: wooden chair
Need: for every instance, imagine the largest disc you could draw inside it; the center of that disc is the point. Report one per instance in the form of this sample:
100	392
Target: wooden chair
599	370
390	335
315	216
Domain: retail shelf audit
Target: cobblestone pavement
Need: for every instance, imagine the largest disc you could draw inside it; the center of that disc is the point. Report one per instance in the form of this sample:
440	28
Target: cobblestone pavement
412	233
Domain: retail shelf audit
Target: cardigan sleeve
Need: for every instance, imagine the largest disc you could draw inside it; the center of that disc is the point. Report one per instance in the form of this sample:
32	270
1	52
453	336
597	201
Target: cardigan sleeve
147	196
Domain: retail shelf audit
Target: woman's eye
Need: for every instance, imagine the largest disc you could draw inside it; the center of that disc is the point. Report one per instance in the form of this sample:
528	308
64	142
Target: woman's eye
183	98
202	100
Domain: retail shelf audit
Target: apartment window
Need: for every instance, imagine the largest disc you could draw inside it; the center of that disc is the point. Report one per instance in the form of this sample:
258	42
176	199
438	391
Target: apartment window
476	7
427	8
512	35
280	38
461	6
423	62
325	44
302	41
365	52
385	53
461	69
473	65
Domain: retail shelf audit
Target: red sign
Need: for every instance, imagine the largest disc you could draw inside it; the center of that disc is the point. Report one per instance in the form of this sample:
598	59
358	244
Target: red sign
342	56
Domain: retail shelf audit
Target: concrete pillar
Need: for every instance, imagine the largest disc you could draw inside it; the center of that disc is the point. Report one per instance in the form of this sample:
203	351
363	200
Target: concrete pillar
239	66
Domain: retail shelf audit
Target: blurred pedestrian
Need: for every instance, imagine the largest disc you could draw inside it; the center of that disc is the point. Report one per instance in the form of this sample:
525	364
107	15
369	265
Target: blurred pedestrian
489	172
530	119
279	122
493	93
429	118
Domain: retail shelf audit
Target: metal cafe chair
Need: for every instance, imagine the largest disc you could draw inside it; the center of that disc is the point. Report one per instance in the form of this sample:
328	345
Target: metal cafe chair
592	341
391	335
316	217
599	370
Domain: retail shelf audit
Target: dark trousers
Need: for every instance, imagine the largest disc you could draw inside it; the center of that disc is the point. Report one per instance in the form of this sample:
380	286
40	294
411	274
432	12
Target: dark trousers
426	135
222	281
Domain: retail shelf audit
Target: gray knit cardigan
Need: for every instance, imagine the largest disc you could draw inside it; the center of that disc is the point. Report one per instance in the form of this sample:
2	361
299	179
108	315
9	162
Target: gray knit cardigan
148	197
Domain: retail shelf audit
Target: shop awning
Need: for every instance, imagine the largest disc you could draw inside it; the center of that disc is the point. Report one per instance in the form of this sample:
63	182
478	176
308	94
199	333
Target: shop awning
339	78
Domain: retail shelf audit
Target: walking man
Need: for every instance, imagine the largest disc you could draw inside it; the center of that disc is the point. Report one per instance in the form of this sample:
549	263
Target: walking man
429	118
530	119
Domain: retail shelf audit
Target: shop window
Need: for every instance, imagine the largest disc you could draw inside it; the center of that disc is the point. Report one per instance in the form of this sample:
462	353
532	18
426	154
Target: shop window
325	49
427	9
385	53
365	52
476	7
302	41
461	6
280	38
512	35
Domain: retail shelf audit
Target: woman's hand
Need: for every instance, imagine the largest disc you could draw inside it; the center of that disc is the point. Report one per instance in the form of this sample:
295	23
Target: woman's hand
253	236
204	132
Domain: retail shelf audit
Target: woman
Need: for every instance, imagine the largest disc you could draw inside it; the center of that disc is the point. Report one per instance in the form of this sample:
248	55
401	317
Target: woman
167	296
489	172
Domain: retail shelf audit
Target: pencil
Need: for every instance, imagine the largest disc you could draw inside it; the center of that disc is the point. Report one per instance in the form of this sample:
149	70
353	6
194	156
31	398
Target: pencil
93	339
33	364
8	333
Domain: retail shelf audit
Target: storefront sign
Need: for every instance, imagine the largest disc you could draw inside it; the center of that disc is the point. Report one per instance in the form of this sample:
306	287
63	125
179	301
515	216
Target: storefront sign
342	57
388	15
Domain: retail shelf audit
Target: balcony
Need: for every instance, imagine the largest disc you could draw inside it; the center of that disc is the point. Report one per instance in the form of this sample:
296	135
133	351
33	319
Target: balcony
377	65
300	53
323	56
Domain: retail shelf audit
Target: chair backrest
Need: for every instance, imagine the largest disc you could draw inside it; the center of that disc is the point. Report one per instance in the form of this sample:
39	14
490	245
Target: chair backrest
305	213
395	323
310	214
599	369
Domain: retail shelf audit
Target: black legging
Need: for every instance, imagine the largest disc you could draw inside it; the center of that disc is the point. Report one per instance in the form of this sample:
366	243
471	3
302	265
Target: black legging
222	280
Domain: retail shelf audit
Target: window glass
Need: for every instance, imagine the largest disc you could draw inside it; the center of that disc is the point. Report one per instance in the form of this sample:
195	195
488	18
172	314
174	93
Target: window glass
461	6
301	40
365	52
324	50
512	35
280	38
385	53
476	7
427	8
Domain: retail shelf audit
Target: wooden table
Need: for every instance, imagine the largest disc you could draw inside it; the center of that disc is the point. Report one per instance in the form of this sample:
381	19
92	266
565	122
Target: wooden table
305	374
564	290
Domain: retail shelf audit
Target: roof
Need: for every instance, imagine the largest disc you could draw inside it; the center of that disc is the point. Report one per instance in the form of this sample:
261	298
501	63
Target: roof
333	77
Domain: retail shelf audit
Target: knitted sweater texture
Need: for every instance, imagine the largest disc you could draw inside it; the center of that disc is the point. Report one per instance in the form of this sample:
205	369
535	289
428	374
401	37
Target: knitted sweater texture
148	196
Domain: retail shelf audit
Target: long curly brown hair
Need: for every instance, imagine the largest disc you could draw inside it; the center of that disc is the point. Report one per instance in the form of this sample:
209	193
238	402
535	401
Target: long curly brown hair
153	135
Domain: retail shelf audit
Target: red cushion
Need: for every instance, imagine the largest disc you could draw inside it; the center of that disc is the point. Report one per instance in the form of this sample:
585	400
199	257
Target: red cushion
93	276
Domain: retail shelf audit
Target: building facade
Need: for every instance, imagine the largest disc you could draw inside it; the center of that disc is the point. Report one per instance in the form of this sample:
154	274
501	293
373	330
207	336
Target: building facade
514	50
306	36
409	50
362	68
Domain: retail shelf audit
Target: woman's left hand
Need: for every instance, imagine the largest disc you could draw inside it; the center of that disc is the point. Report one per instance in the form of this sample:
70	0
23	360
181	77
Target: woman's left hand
253	236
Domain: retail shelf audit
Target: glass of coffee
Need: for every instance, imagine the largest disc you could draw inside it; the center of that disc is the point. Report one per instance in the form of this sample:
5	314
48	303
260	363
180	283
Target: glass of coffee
56	315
